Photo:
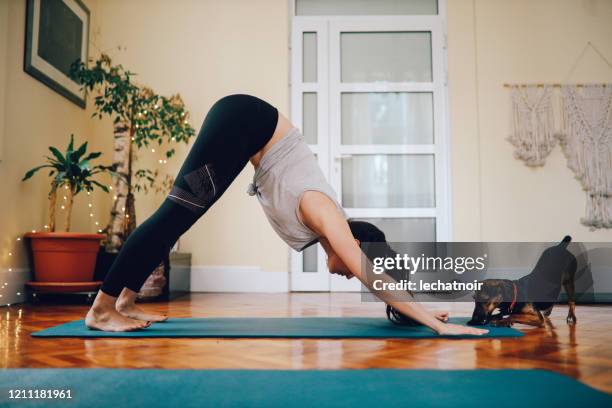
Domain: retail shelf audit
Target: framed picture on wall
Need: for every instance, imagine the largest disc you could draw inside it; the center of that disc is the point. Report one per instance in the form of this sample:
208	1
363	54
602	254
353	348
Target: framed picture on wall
57	35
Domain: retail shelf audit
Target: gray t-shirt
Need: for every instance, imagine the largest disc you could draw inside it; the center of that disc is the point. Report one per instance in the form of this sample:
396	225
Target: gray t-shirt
284	174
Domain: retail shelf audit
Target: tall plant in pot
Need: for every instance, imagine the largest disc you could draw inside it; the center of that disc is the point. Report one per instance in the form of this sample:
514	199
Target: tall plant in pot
142	119
67	256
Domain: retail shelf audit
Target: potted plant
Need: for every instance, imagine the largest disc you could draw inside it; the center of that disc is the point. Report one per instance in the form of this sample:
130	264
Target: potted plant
67	256
142	120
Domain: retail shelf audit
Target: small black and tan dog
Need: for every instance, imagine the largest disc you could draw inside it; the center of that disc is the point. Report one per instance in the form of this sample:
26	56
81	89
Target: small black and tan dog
531	298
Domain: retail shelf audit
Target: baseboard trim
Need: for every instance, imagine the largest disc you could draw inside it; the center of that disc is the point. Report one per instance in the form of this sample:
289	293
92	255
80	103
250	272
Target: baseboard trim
12	285
237	279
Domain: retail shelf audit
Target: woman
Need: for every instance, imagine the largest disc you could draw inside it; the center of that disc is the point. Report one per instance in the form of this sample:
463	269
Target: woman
291	188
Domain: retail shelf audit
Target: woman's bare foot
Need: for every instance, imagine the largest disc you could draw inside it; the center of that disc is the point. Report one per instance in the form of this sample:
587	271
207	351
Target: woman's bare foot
126	305
135	312
103	316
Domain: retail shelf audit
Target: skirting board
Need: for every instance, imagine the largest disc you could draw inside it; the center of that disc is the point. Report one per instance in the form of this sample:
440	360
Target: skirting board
12	289
240	279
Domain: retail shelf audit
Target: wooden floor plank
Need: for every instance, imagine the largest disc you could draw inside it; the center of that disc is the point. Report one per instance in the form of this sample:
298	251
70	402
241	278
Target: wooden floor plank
583	352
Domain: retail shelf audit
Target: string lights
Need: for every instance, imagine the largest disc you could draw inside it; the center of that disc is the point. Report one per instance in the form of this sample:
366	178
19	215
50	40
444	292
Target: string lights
10	255
90	206
11	252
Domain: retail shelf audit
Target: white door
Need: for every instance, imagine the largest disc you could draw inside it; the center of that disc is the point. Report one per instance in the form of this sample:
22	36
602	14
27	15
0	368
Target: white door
369	94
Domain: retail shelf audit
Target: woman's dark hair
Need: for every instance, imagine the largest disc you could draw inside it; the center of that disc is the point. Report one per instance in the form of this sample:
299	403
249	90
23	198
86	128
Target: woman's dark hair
372	240
368	233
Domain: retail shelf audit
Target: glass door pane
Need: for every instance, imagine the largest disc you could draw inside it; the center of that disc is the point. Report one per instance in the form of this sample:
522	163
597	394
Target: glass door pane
309	117
385	57
387	118
388	181
365	7
310	258
309	57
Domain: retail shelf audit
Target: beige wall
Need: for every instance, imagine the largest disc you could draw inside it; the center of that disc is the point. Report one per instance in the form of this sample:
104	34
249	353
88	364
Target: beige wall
4	15
205	49
33	118
496	197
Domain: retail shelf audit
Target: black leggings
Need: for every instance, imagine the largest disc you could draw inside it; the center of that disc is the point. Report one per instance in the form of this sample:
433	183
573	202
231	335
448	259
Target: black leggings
235	128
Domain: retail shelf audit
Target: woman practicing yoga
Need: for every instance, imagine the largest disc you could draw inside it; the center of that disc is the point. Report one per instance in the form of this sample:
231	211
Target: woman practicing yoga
299	203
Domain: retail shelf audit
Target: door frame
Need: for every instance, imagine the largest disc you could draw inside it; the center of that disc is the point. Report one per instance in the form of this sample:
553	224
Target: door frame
329	88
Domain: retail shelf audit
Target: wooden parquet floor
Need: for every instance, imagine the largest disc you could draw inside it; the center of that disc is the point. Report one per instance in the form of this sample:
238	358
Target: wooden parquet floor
583	352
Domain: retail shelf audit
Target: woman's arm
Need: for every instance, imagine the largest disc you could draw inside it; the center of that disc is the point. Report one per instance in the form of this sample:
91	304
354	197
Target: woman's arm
321	215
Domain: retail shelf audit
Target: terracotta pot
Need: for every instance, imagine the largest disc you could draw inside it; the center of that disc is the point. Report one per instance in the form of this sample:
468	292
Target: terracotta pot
64	256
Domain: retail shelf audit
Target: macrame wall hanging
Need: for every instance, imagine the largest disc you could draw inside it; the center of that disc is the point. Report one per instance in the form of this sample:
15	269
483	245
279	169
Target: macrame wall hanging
585	135
533	132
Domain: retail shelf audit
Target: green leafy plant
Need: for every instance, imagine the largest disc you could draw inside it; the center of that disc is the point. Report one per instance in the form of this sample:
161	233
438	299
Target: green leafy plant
142	119
73	171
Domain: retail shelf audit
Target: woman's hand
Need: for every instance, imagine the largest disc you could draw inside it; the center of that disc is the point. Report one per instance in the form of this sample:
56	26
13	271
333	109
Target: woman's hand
441	316
450	329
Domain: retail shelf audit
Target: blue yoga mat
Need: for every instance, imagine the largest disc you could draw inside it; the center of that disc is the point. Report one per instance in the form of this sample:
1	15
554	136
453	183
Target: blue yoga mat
301	327
114	388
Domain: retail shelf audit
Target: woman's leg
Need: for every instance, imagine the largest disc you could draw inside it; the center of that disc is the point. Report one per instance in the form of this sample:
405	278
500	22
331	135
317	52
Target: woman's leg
143	251
236	128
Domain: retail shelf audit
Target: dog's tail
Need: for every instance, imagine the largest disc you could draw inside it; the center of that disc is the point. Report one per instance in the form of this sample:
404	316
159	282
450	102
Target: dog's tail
565	241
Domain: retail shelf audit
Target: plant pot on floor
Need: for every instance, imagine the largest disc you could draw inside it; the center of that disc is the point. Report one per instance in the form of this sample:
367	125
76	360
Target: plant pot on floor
64	256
